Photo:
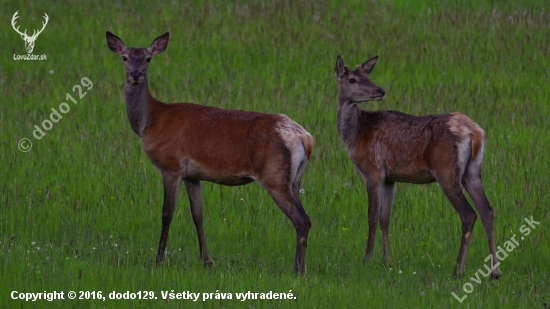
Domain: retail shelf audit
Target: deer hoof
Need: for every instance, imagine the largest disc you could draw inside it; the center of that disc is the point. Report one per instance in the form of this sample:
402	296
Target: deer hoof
495	275
208	262
367	259
159	260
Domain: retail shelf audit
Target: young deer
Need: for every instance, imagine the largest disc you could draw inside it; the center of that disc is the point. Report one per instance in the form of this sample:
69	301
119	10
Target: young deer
190	142
389	146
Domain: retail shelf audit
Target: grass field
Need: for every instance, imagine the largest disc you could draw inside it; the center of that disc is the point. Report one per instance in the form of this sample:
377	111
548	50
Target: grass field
81	211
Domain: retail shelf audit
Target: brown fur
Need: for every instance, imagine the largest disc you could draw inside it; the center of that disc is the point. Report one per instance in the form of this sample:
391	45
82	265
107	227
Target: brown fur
191	143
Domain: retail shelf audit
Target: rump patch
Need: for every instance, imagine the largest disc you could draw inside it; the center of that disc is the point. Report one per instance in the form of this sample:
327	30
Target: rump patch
470	138
292	134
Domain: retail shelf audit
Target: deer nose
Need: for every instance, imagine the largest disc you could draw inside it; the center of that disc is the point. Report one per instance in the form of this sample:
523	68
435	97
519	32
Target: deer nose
135	75
382	92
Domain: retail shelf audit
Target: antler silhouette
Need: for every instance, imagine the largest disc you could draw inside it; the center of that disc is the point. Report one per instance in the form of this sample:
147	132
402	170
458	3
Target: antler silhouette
23	35
43	26
29	40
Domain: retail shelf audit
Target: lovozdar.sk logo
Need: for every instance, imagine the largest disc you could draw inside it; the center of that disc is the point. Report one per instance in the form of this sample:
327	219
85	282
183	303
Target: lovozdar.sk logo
29	39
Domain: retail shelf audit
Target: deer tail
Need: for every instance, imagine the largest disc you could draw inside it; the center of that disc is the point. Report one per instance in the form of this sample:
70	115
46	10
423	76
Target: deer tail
462	126
478	139
308	142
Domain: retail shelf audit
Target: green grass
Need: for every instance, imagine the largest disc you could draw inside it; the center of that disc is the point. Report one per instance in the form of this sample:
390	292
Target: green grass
81	210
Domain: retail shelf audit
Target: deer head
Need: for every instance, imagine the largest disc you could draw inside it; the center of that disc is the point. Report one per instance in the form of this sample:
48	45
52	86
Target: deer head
136	60
29	40
355	86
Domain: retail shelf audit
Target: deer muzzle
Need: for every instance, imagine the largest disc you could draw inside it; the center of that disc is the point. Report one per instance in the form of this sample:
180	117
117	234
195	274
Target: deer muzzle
135	77
380	95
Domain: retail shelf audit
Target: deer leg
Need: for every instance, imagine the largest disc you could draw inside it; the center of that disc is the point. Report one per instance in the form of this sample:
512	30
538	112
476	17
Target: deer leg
453	191
297	180
472	183
171	183
388	190
194	191
284	197
374	190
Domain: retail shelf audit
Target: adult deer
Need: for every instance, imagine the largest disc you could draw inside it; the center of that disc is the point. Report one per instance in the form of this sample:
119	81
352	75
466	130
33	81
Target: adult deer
388	147
189	142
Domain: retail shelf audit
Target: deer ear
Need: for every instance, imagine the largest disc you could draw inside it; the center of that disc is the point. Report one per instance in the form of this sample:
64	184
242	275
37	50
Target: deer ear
115	43
369	65
339	70
159	44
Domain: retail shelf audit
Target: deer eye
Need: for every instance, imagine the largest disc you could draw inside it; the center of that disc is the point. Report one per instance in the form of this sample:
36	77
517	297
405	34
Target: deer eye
352	80
148	59
124	58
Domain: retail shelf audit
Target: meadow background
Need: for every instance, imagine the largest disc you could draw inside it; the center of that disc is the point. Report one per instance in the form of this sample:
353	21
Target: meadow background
82	210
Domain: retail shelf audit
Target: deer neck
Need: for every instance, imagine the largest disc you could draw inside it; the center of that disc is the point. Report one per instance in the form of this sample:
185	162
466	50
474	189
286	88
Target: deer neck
348	114
140	105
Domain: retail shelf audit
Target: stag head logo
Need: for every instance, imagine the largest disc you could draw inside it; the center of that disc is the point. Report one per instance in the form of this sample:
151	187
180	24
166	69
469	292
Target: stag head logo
29	40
